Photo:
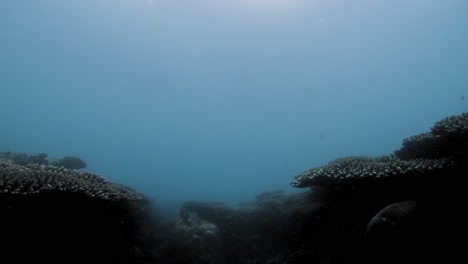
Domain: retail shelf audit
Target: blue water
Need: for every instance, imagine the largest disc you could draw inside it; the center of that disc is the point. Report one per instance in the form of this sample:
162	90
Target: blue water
220	100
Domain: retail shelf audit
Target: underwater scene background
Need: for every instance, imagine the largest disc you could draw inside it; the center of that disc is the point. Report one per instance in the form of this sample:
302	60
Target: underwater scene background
219	101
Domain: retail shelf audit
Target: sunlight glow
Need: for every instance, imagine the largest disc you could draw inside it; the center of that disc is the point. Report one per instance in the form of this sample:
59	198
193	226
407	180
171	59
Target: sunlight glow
278	5
270	2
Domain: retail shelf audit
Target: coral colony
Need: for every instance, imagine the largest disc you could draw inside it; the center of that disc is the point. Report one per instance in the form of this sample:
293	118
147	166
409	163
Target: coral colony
407	206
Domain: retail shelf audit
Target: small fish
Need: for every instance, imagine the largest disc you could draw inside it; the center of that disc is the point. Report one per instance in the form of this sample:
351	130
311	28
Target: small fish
323	136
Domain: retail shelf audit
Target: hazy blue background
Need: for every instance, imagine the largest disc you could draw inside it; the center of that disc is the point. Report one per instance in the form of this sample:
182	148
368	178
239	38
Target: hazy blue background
219	100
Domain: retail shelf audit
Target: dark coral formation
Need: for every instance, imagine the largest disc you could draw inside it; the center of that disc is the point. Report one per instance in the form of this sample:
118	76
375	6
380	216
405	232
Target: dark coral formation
447	138
264	231
69	162
324	226
55	214
200	240
404	207
23	158
423	154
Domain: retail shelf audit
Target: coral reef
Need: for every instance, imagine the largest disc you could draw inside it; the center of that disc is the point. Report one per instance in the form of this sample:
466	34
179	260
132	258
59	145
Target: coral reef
401	207
267	230
34	178
51	214
404	207
423	154
200	239
23	158
447	138
352	169
69	162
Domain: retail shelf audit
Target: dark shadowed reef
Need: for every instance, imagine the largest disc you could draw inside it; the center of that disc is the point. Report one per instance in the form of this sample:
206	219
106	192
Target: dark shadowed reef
408	206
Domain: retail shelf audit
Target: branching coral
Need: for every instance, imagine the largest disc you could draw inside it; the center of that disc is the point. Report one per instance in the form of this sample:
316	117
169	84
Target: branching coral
445	145
447	138
365	168
34	178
